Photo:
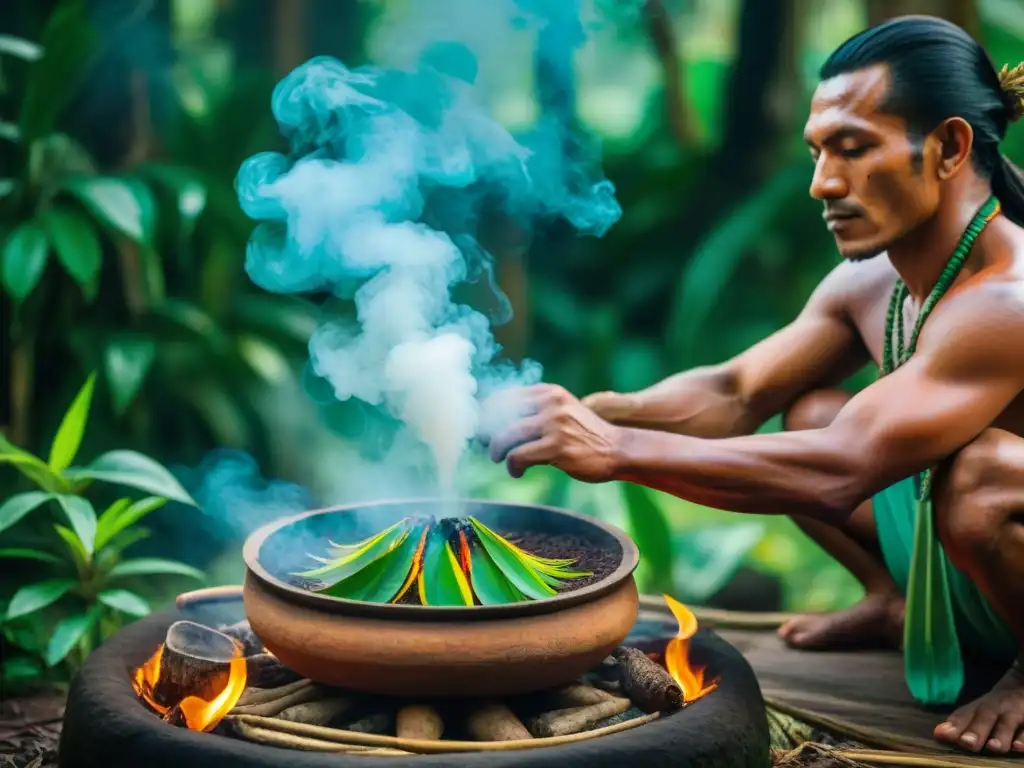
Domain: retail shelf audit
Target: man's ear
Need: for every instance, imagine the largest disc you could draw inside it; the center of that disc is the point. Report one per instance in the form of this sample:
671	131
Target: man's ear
955	141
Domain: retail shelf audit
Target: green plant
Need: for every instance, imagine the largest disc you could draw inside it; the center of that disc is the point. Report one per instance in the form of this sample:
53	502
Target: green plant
84	598
134	272
451	560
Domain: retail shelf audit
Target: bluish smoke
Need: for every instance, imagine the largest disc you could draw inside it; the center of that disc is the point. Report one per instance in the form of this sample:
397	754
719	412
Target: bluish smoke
389	177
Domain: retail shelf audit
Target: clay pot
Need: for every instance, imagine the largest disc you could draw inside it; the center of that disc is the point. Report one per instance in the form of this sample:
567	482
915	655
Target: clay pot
435	650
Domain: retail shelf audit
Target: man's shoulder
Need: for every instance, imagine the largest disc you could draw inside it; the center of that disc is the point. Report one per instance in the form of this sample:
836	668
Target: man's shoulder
854	286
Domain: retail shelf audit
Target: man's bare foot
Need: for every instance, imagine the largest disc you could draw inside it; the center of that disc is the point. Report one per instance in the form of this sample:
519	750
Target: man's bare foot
877	620
995	721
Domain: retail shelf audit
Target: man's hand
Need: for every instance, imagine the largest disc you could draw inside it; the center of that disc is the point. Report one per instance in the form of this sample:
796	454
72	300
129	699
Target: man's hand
559	431
613	407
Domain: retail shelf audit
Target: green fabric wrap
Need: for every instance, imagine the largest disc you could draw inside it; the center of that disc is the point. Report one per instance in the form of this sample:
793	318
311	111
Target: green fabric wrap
945	609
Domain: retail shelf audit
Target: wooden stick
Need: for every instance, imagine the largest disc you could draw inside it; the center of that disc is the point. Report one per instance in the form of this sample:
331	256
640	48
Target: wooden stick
316	712
648	685
442	746
418	721
276	706
563	722
209	595
263	695
290	741
578	695
195	661
496	722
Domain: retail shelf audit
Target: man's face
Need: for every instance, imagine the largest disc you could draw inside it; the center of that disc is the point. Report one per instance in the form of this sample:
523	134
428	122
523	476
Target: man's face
874	181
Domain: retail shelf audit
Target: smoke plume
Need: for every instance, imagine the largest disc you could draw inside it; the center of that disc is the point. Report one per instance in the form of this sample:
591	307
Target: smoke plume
390	178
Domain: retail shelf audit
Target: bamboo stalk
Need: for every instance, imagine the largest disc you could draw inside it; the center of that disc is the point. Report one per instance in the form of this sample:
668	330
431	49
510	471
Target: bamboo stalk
420	746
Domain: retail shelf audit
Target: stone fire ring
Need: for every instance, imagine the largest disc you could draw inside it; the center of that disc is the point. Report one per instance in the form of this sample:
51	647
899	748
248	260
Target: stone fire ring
106	726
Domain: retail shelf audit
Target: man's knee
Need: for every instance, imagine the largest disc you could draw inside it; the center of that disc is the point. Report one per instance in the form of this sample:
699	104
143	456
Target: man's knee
983	487
814	410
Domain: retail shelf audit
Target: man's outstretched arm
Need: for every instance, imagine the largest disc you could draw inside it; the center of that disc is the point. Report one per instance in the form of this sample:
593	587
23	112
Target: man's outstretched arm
961	378
819	348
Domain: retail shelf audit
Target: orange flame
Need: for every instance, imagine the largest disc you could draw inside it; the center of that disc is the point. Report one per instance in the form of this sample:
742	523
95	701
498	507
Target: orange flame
199	714
677	662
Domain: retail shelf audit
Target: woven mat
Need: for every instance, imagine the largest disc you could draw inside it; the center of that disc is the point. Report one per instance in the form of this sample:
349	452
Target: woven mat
857	696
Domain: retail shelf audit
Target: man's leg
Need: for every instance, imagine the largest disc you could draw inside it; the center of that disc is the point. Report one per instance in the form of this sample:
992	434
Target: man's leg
979	509
878	618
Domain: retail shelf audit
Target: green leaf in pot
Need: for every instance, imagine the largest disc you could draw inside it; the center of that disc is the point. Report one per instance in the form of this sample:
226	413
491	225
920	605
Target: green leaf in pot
441	580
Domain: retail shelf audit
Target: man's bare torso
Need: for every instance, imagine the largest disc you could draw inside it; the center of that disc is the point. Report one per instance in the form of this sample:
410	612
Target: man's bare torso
867	287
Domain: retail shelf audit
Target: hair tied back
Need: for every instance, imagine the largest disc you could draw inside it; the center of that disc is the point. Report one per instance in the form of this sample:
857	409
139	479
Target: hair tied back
1012	83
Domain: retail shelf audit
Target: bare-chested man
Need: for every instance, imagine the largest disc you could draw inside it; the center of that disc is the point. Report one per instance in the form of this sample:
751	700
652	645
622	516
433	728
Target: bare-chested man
904	133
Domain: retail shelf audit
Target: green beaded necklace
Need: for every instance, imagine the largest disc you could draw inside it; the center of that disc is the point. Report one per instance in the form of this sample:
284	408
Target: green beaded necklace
932	661
893	359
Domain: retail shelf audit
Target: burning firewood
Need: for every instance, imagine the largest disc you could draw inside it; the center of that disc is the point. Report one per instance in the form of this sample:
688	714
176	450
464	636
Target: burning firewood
195	661
418	721
563	722
316	712
496	722
650	687
243	633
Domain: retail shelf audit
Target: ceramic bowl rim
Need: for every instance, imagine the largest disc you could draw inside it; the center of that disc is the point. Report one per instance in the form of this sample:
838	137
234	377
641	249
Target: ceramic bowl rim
628	563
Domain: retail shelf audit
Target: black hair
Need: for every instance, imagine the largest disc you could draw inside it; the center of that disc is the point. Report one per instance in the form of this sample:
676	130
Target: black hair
939	71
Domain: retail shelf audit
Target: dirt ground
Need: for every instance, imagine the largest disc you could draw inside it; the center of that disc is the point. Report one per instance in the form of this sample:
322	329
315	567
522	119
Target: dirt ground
30	730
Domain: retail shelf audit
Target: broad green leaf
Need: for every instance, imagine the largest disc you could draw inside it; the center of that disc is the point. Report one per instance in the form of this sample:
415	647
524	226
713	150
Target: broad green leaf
19	669
127	361
67	42
19	47
381	580
125	205
82	517
125	517
36	596
66	634
24	259
134	470
345	566
125	601
489	583
548	569
526	581
16	507
441	581
78	554
69	435
154	566
126	539
34	468
77	245
17	553
652	534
